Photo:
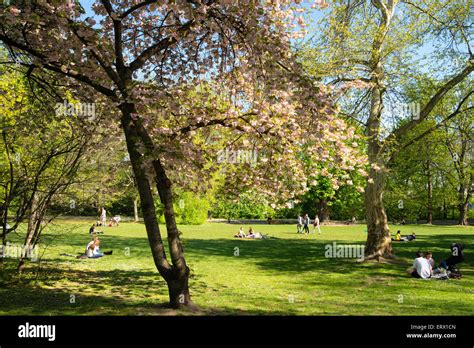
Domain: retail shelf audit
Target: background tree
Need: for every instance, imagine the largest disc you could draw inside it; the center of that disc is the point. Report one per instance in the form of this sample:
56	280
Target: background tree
374	70
40	155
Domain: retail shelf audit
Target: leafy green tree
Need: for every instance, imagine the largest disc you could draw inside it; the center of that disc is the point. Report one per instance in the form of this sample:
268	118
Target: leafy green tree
372	50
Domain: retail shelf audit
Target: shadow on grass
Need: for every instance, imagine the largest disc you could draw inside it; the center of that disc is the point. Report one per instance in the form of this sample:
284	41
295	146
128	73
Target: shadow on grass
114	292
137	292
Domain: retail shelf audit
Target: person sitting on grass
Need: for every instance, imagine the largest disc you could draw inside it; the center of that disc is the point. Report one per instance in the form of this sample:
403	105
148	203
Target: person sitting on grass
457	256
429	257
421	267
241	233
93	248
92	230
398	237
114	221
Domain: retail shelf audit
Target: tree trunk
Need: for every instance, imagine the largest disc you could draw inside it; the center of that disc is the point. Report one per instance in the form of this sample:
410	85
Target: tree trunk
379	243
31	229
430	195
135	209
178	285
177	274
463	205
323	210
4	245
445	212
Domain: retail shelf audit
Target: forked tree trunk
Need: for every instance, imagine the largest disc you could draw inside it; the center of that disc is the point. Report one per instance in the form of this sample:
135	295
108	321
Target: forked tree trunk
379	242
30	233
177	274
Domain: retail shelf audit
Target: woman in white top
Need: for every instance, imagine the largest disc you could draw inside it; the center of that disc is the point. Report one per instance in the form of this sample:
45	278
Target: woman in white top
316	224
92	249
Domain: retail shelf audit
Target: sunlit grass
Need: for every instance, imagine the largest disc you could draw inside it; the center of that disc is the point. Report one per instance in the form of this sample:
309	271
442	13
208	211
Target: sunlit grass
286	274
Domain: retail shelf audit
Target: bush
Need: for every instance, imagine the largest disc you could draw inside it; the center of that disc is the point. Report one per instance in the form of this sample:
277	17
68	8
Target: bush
189	209
245	207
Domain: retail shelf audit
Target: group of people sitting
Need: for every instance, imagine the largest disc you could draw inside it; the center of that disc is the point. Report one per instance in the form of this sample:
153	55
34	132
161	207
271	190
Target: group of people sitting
399	238
93	247
114	221
424	264
251	234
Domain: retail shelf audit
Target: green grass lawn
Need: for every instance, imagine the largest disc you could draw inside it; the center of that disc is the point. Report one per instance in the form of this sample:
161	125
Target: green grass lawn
285	275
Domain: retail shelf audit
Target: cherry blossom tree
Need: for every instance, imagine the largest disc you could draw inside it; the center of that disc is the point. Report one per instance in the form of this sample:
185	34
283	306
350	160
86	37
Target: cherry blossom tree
177	74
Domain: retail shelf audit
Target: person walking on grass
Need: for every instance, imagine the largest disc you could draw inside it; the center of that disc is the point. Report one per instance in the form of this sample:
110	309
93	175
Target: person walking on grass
299	227
316	224
306	222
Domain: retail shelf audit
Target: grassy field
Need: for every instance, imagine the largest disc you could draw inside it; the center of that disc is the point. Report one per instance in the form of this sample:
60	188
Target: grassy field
287	274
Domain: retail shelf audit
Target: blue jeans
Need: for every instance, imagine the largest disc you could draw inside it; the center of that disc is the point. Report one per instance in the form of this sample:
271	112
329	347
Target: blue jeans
96	255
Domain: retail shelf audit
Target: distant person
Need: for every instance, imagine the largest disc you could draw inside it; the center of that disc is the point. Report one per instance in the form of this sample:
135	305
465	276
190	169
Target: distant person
241	233
398	237
403	222
353	220
457	256
254	235
114	221
93	248
409	238
299	226
103	217
306	222
316	224
93	229
421	267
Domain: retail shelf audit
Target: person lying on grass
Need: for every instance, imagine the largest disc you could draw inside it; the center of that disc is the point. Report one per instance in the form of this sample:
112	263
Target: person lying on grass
409	238
399	238
256	235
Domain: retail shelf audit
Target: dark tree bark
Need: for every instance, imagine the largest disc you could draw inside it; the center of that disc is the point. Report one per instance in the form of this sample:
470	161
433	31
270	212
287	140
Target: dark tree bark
176	274
379	243
323	210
